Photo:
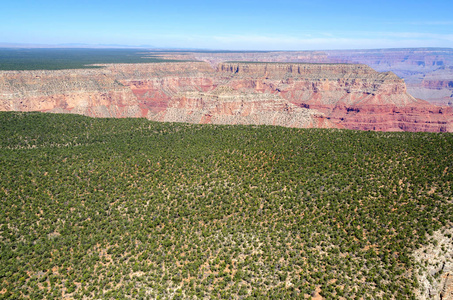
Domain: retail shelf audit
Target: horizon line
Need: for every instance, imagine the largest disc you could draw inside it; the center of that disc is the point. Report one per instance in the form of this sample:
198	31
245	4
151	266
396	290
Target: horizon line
183	49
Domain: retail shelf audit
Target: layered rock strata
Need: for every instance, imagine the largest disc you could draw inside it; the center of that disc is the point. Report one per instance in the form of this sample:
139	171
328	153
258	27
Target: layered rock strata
351	96
421	68
285	94
89	92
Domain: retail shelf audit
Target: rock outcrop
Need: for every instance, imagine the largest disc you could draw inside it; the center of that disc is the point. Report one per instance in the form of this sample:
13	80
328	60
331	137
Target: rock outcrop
435	267
89	92
351	96
287	94
419	67
427	71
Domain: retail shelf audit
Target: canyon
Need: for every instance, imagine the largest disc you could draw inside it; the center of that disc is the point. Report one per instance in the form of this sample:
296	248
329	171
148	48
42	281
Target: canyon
428	72
207	91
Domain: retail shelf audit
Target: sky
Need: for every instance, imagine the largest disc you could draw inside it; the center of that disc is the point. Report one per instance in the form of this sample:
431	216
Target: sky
230	25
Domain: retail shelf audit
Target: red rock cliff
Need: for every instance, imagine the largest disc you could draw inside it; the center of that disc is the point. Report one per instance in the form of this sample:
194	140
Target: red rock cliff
351	96
286	94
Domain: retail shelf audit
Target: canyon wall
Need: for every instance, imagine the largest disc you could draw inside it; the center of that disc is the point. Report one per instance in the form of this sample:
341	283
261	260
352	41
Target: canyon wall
423	69
350	96
89	92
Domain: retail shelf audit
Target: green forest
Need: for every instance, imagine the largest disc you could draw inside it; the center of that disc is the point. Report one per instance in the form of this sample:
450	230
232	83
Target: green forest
134	209
72	58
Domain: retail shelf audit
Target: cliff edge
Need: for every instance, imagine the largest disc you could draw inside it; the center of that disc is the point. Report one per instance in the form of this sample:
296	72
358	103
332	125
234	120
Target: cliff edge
350	96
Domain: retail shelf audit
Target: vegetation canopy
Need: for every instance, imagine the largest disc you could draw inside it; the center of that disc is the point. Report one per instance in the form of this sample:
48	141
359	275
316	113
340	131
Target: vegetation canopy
72	58
129	208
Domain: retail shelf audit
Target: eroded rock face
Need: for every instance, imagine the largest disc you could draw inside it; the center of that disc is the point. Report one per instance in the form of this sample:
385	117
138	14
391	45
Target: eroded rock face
90	92
351	96
285	94
435	267
225	105
421	68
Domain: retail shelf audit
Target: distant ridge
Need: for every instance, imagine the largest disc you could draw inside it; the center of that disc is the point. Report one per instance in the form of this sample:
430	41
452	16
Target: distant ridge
73	45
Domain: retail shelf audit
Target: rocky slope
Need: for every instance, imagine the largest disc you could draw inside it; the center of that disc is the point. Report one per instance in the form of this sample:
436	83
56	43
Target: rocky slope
426	71
435	267
285	94
90	92
351	96
421	68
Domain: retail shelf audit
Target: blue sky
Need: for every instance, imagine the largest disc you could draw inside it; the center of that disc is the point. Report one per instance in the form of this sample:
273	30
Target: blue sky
231	25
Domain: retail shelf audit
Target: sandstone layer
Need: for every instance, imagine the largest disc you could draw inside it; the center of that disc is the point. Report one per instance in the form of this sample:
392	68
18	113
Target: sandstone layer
89	92
351	96
421	68
287	94
426	71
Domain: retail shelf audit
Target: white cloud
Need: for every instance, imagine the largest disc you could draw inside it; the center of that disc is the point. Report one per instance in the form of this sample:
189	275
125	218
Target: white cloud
332	41
418	35
305	41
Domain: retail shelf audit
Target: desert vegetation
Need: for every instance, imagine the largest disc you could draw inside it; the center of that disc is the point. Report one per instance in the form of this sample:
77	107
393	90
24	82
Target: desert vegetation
129	208
71	58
